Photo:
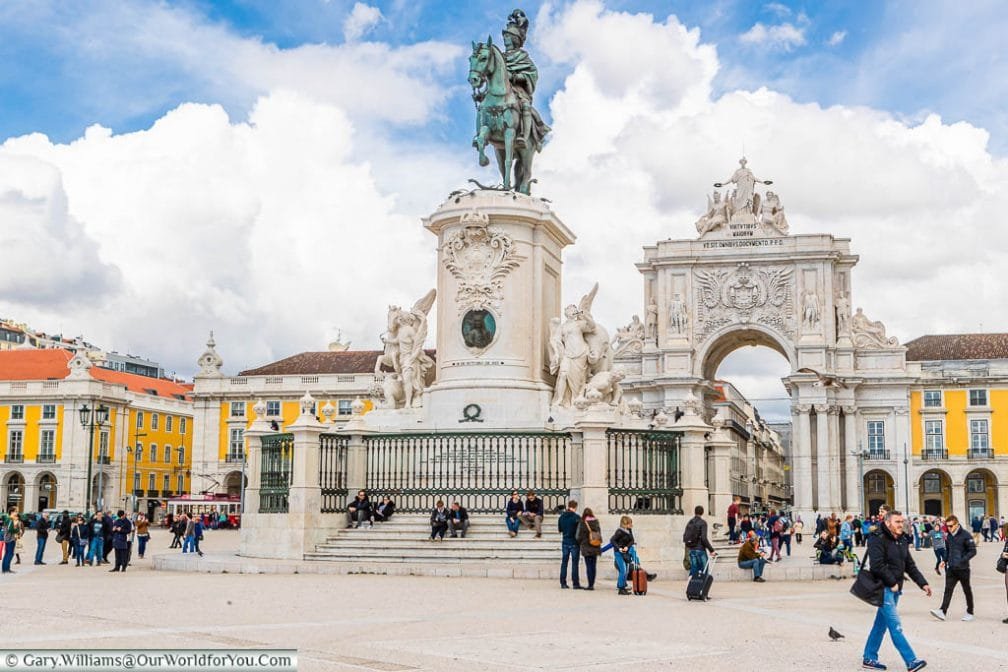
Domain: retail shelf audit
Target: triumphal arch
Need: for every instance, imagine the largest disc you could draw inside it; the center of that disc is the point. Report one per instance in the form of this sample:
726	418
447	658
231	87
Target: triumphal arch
745	279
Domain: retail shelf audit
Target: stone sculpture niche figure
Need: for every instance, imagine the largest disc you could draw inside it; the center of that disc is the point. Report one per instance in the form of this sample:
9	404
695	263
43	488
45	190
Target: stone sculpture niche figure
503	85
629	338
843	315
716	215
745	183
404	353
678	317
773	213
579	348
810	308
652	321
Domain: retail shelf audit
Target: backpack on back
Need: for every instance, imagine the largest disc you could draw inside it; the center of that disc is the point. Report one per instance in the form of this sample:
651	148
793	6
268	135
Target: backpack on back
594	538
691	535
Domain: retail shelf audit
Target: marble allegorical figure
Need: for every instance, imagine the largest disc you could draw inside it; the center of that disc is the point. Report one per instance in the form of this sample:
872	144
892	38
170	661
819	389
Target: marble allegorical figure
810	309
745	183
866	333
651	326
579	348
678	315
843	315
773	213
404	352
629	338
717	214
604	387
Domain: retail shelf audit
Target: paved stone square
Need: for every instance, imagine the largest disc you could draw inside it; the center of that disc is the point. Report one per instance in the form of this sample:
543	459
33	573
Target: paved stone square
362	622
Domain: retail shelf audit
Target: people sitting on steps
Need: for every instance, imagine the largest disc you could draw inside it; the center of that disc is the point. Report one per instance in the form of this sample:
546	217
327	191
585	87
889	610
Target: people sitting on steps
384	510
514	510
750	557
458	520
827	547
439	521
359	511
532	516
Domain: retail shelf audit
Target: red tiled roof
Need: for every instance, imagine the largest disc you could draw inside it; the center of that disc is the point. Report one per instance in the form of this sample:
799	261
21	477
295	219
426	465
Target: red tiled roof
938	347
52	365
311	363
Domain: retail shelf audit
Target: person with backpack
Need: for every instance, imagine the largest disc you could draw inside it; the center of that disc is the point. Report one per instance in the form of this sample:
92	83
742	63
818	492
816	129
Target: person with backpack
696	541
938	546
567	525
785	535
775	526
589	537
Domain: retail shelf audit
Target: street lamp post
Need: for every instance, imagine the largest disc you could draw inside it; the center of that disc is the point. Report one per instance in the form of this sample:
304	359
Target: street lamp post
134	453
906	480
89	419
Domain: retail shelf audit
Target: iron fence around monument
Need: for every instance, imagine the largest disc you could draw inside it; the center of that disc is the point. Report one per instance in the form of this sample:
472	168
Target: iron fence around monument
333	472
479	470
643	471
275	474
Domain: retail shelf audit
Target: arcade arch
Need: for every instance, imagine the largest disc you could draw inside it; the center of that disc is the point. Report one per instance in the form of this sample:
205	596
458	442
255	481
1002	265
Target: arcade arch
233	483
879	489
935	487
45	486
14	491
981	493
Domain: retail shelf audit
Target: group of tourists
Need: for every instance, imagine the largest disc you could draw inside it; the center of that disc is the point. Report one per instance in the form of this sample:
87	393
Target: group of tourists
187	532
87	542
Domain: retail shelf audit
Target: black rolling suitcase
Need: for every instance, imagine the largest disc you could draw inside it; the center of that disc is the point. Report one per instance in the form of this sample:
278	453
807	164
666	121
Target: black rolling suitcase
699	586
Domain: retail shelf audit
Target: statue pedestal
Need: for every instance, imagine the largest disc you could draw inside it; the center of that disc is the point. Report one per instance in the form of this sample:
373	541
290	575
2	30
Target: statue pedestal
499	270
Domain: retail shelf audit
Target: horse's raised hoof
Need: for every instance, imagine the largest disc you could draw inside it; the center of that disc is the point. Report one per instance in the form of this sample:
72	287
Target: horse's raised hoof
484	161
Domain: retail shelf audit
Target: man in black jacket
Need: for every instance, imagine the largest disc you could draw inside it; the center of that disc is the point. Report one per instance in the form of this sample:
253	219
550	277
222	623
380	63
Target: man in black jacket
696	541
889	559
458	520
960	549
63	536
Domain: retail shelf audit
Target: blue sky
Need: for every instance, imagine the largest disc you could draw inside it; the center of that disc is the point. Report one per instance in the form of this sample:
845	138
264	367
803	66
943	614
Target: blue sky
60	73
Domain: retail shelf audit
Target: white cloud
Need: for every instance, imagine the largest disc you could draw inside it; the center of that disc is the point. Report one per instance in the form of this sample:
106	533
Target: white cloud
778	9
784	36
272	230
837	38
361	19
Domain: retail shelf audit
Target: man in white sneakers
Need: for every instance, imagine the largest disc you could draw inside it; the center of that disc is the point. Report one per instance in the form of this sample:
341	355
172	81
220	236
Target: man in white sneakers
960	548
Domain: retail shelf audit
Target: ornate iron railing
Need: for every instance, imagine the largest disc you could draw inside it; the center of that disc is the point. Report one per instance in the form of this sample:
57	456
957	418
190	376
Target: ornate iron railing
479	470
643	471
275	475
333	471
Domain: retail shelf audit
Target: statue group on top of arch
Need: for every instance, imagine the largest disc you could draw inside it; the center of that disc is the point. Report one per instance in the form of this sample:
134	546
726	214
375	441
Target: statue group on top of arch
743	205
629	338
581	358
403	365
866	333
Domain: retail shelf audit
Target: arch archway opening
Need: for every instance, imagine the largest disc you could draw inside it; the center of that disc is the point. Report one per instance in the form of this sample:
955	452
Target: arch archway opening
14	491
879	490
47	493
233	483
935	487
748	391
981	493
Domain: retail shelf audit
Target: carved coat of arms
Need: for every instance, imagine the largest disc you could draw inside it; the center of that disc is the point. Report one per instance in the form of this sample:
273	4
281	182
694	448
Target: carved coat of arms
479	257
744	295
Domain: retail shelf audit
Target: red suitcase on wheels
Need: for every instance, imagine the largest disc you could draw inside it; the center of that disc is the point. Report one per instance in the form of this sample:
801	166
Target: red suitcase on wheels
638	580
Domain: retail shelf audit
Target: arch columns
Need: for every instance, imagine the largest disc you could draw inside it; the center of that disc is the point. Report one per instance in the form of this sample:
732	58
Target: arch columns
958	503
824	502
801	458
854	472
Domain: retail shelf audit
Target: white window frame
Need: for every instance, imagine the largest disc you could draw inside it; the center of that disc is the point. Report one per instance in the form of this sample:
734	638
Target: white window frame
139	419
181	456
236	442
270	405
924	399
51	452
153	453
976	478
137	479
166	482
979	434
46	414
17	412
237	409
103	445
151	481
979	390
155	422
344	407
876	439
169	424
182	425
13	450
928	436
180	482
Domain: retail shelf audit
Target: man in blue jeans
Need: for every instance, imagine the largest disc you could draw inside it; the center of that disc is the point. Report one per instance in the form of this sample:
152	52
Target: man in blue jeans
568	525
889	559
11	527
97	531
697	543
42	530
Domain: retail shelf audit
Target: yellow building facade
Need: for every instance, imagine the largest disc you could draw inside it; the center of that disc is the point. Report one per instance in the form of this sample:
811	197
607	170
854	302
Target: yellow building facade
48	453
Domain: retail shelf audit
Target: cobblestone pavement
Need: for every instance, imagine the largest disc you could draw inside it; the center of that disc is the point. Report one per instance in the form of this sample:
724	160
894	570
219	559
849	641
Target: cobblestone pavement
454	624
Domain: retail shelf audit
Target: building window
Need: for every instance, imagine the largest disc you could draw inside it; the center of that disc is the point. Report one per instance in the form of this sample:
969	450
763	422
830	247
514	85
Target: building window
166	481
344	407
153	452
932	484
932	399
150	482
876	437
181	456
876	482
15	443
237	409
237	446
273	409
49	411
17	412
933	434
182	426
976	484
136	480
978	397
180	483
979	437
155	421
139	452
47	444
140	419
168	423
103	447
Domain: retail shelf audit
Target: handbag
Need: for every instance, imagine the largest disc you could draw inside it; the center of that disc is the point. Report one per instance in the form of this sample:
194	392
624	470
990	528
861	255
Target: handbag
866	587
1002	563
